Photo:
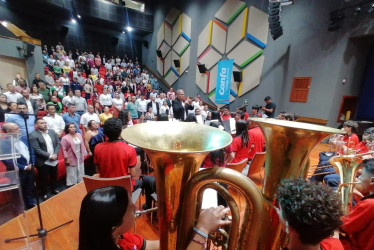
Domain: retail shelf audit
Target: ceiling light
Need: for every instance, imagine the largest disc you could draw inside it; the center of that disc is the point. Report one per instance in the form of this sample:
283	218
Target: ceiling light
123	32
5	23
371	9
73	20
357	11
79	16
129	29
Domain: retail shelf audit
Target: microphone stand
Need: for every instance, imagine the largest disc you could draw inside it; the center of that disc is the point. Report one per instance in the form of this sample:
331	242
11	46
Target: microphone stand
41	232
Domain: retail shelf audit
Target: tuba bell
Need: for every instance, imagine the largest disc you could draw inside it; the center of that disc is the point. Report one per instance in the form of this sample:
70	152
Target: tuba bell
177	150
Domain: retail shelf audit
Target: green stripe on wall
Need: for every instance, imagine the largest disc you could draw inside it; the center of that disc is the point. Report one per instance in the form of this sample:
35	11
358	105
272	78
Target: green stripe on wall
251	59
237	13
167	73
184	49
211	93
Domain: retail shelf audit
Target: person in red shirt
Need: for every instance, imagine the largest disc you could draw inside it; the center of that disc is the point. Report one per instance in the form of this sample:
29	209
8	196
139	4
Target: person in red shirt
362	146
254	112
257	139
106	217
309	213
350	139
241	145
226	114
359	223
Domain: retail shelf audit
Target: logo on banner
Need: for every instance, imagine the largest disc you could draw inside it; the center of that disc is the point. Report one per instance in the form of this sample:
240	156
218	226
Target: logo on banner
223	84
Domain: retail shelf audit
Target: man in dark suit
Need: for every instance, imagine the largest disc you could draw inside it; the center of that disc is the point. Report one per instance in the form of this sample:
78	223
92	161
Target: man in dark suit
30	103
180	106
154	105
46	146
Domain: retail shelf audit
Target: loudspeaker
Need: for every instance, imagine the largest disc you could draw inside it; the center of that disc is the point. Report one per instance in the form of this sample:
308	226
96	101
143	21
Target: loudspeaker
276	32
202	68
28	49
273	25
159	54
64	31
273	18
177	63
114	41
238	76
145	44
273	12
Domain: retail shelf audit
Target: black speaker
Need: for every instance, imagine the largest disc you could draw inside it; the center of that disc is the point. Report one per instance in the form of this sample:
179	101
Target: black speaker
276	32
145	44
28	49
273	12
274	5
238	76
202	68
64	31
159	54
177	63
273	18
273	25
114	41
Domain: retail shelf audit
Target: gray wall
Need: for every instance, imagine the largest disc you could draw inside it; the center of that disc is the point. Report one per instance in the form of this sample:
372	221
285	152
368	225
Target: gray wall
34	64
305	49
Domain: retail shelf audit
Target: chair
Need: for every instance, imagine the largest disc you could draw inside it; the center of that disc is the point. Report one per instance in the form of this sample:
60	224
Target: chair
238	166
256	167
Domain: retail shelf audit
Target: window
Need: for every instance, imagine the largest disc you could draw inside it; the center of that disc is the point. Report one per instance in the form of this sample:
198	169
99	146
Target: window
300	89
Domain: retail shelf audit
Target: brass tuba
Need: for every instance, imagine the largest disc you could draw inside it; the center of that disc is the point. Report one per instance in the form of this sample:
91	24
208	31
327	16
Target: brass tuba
347	166
177	150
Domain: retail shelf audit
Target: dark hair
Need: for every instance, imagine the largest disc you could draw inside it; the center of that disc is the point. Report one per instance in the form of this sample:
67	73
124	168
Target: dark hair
351	124
66	130
243	108
89	124
256	107
191	118
216	116
124	117
50	105
240	114
96	223
313	210
162	117
242	131
289	116
369	165
267	98
369	130
112	128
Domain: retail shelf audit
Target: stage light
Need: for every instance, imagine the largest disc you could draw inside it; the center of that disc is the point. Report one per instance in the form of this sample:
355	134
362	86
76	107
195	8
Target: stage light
79	16
123	32
5	23
129	29
73	20
357	11
371	9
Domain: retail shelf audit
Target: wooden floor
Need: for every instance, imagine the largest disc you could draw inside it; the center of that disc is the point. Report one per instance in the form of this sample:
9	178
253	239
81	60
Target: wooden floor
64	207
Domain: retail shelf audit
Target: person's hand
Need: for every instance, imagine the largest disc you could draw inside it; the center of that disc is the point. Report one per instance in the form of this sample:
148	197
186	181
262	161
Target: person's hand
90	153
210	219
28	167
263	108
53	157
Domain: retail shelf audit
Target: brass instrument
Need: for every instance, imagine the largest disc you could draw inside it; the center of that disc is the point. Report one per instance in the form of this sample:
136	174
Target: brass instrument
177	150
347	166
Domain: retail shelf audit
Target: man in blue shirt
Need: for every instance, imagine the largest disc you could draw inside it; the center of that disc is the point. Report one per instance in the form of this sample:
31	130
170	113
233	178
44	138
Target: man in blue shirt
18	119
72	117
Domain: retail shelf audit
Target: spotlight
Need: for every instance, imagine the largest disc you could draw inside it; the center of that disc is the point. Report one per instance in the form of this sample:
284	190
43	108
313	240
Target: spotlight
371	9
123	32
73	20
129	28
79	16
357	11
5	23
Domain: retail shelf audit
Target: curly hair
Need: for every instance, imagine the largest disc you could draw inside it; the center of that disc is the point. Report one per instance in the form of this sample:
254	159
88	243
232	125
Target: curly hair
313	210
112	128
124	117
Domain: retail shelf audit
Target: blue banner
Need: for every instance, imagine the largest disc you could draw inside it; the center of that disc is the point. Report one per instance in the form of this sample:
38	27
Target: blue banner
224	74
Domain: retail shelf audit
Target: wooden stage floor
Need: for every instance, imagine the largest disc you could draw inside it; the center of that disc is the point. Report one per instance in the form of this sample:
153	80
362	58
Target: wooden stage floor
64	207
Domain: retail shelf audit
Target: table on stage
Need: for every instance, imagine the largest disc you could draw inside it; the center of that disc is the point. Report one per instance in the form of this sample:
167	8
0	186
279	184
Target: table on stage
55	211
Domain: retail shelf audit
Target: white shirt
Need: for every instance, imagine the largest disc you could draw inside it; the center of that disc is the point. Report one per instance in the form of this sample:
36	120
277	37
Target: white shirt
86	117
50	150
142	105
56	123
12	97
23	150
30	109
67	99
65	80
117	103
163	109
105	100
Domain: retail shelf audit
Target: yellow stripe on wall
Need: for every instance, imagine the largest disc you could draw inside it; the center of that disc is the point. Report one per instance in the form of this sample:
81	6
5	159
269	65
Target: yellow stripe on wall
180	23
244	22
210	32
240	89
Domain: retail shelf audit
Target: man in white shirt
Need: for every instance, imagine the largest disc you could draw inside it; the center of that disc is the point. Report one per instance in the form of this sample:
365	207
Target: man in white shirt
49	79
54	121
142	105
11	94
68	99
30	103
80	103
89	116
161	99
105	99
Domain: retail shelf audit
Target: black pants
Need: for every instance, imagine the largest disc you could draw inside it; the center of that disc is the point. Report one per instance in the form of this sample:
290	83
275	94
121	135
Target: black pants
27	184
148	183
43	172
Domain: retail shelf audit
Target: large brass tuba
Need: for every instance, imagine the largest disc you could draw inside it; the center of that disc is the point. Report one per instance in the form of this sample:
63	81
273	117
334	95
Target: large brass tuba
177	150
347	166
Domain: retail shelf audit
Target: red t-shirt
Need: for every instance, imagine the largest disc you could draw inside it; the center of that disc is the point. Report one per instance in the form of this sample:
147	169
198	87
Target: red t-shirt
241	153
359	225
257	138
114	159
208	161
331	244
131	242
351	141
226	117
246	116
361	148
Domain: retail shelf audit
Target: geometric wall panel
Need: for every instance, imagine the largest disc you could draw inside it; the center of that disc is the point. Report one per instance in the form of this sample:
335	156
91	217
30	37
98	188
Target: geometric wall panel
174	40
212	97
229	10
238	33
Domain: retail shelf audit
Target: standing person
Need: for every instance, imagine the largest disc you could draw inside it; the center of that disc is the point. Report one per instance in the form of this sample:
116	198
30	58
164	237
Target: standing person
68	99
257	139
164	108
31	103
46	146
142	105
269	108
71	116
241	145
89	116
180	105
73	149
226	114
171	94
19	119
11	94
35	95
80	103
117	104
105	115
105	99
24	165
254	112
132	108
154	105
54	121
93	136
65	82
88	88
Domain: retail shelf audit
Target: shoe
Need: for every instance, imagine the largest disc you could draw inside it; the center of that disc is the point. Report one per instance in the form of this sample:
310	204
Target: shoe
55	191
45	197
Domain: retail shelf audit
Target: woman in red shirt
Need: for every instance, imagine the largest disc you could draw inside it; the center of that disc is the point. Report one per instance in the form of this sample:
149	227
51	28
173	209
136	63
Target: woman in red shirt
350	139
240	144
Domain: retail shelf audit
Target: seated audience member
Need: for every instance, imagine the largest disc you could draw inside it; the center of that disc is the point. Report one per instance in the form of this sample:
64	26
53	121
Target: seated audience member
241	144
105	115
309	213
164	108
359	223
99	229
73	149
49	79
289	117
350	139
54	121
37	80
